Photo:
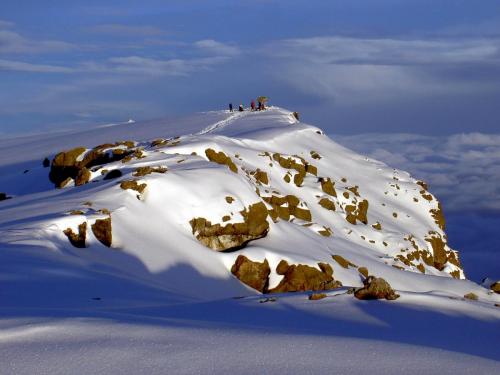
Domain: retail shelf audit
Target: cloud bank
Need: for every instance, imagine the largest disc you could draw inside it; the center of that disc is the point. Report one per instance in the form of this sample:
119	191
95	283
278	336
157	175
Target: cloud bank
462	170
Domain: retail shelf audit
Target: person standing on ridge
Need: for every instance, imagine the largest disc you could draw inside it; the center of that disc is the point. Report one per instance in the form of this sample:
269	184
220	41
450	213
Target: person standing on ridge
241	108
252	105
230	107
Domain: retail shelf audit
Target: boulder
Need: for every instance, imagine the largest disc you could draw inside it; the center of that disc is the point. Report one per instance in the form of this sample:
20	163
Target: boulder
102	231
301	277
77	239
376	288
253	274
495	287
3	196
231	237
316	296
115	173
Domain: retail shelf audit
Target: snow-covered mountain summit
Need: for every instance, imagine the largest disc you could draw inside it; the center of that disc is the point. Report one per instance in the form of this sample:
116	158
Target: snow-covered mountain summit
175	204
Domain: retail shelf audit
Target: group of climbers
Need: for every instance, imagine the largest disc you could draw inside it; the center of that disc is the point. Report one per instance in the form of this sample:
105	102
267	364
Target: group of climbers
261	100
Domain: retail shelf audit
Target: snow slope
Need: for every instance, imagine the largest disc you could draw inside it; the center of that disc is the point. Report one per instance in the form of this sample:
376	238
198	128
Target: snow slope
158	297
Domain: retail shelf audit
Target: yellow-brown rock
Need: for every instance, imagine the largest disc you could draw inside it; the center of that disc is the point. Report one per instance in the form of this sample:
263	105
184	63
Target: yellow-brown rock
253	274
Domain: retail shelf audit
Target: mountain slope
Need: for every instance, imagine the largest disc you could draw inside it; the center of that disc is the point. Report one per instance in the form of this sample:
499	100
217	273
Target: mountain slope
163	211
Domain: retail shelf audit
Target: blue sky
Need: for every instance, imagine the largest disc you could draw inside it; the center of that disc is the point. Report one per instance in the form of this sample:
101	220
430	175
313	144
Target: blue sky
353	66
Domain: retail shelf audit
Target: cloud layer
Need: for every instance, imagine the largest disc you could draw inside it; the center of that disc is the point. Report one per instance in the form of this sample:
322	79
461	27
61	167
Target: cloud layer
462	170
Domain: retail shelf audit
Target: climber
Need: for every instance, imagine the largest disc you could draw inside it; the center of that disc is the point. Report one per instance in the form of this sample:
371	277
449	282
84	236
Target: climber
230	107
252	105
241	108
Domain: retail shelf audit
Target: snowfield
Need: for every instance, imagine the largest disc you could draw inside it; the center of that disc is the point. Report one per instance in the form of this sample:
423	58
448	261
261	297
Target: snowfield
116	275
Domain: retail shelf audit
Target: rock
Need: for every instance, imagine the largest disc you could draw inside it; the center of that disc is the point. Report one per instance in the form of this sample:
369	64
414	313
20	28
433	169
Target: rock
495	287
221	158
301	277
3	196
316	296
342	261
375	288
328	186
471	296
143	171
327	204
102	231
46	163
77	240
115	173
357	213
82	177
363	271
231	237
69	164
253	274
133	185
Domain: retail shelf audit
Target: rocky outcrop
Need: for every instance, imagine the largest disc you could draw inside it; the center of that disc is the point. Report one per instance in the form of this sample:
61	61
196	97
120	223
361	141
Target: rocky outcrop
115	173
133	185
287	206
221	158
102	231
143	171
253	274
316	296
375	288
471	296
357	212
495	287
4	196
301	277
77	239
72	163
232	236
344	263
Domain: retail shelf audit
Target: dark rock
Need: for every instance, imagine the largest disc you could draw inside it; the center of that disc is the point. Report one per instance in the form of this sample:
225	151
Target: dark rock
115	173
77	240
46	163
495	287
376	288
3	196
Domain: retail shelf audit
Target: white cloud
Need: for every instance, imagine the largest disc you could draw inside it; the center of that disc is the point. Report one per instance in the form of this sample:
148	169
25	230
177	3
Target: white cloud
12	42
355	70
6	24
217	48
462	170
33	68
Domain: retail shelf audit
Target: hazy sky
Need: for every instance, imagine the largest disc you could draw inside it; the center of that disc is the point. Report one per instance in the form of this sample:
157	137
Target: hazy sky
351	66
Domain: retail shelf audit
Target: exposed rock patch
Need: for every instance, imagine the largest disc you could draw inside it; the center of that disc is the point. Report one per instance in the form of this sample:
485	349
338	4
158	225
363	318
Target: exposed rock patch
221	158
316	296
327	185
232	236
471	296
115	173
4	196
342	261
133	185
357	212
253	274
375	288
71	164
102	231
77	239
143	171
287	206
495	287
301	277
